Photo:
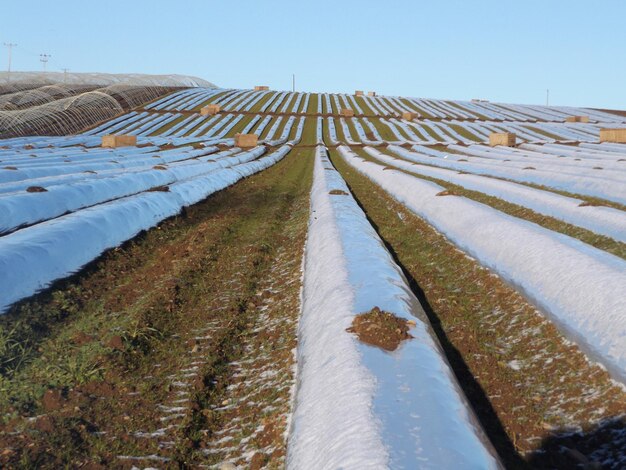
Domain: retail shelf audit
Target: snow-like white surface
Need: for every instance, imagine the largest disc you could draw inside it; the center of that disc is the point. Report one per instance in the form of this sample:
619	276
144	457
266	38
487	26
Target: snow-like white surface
358	406
22	208
542	160
592	185
580	287
32	258
332	424
603	220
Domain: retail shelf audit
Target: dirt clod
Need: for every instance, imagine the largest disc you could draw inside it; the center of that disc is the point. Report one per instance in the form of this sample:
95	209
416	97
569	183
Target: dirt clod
44	424
116	342
52	400
160	189
338	192
381	329
258	461
82	338
99	389
36	189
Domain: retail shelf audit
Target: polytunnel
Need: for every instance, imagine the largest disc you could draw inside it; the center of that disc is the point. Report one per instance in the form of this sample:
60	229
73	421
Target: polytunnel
54	103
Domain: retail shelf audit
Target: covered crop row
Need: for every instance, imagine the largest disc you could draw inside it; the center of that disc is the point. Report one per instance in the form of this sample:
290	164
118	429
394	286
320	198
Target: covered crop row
356	405
30	170
25	208
585	184
579	287
599	219
31	258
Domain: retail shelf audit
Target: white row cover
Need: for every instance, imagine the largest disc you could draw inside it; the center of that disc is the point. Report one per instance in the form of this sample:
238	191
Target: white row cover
599	219
24	208
358	406
32	258
586	185
30	171
579	287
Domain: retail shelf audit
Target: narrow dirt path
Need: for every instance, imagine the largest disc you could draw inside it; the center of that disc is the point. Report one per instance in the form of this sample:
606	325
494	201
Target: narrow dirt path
174	350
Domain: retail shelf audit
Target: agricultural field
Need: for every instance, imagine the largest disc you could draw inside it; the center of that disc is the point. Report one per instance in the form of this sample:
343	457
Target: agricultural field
371	285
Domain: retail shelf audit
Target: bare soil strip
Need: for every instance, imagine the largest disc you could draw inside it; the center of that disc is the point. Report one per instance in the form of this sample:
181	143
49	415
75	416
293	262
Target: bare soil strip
541	402
174	350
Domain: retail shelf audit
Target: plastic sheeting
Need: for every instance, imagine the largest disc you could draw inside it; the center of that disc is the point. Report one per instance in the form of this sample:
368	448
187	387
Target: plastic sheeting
358	406
578	286
603	220
585	185
32	258
26	208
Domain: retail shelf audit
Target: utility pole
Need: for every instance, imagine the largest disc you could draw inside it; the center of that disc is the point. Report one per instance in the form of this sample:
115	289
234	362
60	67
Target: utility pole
65	75
10	45
43	58
293	82
548	97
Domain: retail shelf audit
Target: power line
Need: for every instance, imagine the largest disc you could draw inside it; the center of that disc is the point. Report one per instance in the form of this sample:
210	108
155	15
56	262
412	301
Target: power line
43	58
65	75
10	45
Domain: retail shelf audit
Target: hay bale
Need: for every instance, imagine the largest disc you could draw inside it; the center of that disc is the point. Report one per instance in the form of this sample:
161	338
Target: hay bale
506	139
617	136
261	88
358	93
409	116
347	112
122	140
245	141
577	119
210	109
371	93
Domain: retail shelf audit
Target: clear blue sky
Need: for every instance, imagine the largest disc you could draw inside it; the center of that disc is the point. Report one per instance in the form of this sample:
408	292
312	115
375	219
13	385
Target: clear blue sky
509	51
